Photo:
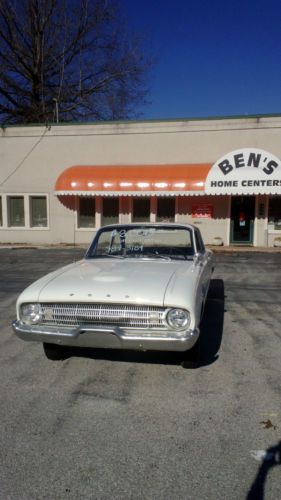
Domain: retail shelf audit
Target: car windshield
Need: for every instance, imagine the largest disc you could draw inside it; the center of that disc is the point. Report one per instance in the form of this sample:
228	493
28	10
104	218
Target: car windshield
162	242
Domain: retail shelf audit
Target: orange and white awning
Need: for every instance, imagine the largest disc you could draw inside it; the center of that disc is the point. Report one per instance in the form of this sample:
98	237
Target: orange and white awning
133	180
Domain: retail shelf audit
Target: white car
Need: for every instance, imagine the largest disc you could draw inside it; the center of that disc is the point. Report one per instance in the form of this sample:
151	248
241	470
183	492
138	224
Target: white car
140	286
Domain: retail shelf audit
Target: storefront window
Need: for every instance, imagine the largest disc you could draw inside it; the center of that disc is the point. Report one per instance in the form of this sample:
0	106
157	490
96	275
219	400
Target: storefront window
274	212
38	211
110	211
166	209
141	210
86	212
15	211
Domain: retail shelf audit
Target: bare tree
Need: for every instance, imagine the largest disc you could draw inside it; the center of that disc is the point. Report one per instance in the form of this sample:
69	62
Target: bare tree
68	60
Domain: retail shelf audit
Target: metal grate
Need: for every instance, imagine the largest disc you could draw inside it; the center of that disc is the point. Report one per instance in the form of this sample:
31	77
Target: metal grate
126	316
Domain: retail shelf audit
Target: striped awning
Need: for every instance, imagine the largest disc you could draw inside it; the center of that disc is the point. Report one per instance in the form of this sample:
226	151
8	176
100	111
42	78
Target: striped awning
135	180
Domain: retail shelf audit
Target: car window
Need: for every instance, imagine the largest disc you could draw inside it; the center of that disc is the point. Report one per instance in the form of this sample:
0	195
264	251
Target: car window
141	241
199	242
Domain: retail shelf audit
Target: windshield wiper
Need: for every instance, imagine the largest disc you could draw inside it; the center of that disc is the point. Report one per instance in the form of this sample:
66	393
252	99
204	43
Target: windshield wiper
157	255
107	256
181	256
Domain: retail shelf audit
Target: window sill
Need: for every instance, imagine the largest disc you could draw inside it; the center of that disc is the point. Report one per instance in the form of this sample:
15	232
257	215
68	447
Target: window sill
23	228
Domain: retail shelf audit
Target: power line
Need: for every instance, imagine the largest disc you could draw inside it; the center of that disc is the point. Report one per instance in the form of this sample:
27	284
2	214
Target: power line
26	156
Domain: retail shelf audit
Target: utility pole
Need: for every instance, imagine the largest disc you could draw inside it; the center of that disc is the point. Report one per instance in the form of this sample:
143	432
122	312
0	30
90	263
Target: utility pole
56	108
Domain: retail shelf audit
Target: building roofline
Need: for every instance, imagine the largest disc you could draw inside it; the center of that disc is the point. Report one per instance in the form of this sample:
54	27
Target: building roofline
148	120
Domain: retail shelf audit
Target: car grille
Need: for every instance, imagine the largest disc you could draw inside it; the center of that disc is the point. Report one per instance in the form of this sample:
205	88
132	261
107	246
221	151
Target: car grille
126	316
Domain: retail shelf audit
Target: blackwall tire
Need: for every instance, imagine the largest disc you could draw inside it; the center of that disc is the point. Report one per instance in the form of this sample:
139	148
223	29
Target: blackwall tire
54	352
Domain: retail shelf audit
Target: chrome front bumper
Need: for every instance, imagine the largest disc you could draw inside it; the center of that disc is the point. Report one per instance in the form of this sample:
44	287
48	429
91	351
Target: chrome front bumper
108	337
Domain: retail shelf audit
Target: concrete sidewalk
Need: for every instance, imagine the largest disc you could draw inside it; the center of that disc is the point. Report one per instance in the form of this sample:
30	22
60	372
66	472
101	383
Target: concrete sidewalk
243	248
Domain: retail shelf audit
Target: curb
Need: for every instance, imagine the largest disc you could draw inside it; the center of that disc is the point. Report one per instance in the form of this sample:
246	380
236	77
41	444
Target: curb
243	249
214	248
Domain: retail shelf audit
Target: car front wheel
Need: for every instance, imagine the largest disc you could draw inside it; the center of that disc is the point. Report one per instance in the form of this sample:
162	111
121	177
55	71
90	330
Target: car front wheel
54	352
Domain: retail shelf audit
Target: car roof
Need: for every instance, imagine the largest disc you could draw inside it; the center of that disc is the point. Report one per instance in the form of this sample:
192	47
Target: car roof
150	224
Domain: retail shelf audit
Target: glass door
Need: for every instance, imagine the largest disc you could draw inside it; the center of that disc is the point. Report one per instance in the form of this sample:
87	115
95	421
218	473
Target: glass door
242	220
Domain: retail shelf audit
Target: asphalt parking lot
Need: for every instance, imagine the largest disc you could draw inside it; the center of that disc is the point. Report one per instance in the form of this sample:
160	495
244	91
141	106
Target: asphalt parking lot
123	425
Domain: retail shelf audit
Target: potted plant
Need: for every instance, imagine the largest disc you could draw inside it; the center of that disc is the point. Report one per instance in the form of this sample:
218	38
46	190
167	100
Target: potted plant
217	241
277	241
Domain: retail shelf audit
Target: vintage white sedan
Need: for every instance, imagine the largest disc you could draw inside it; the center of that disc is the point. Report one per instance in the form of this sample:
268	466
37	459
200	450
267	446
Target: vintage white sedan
140	286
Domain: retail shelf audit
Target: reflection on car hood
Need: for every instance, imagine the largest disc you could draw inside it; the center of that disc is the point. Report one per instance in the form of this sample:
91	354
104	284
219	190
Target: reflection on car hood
108	280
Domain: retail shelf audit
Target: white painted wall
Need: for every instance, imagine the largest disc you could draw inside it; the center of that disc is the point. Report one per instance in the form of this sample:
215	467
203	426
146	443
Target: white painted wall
31	159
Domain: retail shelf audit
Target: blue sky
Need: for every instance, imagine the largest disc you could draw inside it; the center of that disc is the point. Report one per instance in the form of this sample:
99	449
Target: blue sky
214	57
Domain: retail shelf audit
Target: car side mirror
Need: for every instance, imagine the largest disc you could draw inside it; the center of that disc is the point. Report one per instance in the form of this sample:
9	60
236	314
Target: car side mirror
198	258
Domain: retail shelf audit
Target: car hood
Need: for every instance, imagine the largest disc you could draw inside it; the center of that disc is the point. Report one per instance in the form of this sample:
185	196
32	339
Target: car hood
113	281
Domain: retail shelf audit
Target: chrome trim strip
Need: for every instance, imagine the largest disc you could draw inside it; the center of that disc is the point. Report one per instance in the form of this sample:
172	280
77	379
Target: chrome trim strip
107	337
124	316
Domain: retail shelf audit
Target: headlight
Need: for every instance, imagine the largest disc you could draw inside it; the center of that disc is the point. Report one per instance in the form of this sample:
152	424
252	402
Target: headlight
30	314
178	318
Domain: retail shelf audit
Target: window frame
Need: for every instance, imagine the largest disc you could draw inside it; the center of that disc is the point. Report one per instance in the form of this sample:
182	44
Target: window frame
200	247
173	198
77	211
27	212
30	210
272	224
9	207
118	198
132	208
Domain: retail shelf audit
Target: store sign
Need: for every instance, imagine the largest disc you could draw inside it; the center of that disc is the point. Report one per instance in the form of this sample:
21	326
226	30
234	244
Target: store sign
245	171
202	211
